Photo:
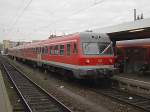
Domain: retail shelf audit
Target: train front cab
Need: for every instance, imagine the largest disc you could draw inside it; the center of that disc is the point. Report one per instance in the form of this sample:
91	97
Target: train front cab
96	58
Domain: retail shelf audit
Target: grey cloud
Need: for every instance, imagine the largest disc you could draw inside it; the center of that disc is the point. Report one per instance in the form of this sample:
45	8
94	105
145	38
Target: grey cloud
43	17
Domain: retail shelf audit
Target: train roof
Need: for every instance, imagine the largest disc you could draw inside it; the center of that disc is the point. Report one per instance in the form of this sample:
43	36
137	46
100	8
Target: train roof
143	23
138	29
58	39
130	43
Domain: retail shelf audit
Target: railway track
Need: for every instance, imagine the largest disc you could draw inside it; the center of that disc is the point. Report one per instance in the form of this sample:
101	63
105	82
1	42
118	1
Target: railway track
137	101
34	97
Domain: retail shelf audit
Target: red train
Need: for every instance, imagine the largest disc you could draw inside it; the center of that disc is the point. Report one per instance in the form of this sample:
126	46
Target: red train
134	55
82	55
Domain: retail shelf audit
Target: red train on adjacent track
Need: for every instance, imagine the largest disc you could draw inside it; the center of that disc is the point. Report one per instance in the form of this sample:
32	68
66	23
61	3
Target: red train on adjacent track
81	55
134	56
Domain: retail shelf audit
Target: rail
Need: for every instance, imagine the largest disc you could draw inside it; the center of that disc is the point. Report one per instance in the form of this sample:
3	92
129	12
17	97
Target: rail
34	97
137	101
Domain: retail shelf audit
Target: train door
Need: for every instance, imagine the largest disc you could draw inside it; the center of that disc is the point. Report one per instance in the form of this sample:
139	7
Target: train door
135	58
39	53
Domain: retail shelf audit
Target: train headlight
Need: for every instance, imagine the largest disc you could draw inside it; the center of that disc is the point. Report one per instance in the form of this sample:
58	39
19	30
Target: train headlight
87	61
110	60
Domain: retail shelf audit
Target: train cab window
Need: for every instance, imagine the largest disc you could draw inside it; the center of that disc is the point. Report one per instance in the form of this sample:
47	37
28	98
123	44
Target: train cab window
51	50
68	49
97	48
61	50
56	50
75	49
90	48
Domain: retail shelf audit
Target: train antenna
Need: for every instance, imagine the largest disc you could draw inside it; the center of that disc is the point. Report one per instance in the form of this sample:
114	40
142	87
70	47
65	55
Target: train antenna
135	15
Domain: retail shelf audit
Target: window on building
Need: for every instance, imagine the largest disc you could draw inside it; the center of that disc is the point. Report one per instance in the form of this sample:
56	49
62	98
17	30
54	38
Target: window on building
61	50
68	49
56	50
75	48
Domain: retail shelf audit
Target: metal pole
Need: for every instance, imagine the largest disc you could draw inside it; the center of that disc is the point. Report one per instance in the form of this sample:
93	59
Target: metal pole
134	14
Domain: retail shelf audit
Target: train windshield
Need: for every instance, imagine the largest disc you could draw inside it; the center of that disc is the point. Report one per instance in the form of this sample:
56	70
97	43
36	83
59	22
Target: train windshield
97	48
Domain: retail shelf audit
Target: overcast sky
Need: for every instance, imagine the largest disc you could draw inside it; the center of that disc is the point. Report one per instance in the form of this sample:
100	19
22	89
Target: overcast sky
26	20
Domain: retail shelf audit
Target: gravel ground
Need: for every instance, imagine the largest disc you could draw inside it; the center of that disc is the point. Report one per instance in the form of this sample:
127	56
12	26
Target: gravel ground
78	98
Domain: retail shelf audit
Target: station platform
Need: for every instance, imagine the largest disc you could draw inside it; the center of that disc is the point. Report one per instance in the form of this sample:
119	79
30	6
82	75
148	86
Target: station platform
4	100
134	83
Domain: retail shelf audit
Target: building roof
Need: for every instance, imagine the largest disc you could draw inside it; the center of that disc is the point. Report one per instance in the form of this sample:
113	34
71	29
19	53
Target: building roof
138	29
138	24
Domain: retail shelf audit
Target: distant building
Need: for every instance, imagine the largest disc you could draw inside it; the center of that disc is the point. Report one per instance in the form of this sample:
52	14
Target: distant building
6	45
1	47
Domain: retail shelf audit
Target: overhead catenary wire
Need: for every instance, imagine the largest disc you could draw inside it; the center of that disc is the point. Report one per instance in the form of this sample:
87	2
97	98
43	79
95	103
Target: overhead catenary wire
96	2
21	14
18	11
18	17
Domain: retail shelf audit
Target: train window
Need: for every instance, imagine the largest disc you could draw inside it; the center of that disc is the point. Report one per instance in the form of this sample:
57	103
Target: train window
68	49
94	48
75	49
119	52
61	50
106	48
51	50
56	50
45	49
42	50
90	48
36	50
